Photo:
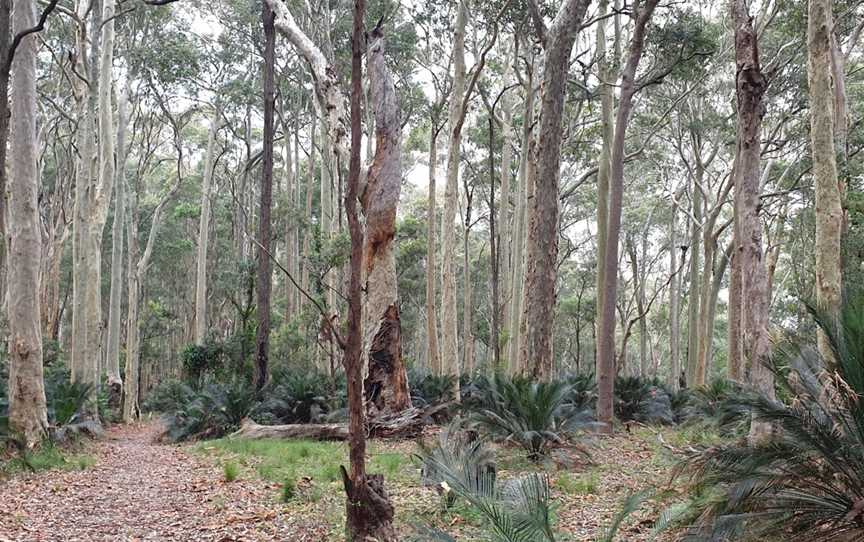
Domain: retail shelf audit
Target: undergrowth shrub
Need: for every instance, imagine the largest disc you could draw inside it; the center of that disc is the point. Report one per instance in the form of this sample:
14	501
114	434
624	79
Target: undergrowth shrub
642	400
514	510
533	415
214	411
804	482
299	397
428	389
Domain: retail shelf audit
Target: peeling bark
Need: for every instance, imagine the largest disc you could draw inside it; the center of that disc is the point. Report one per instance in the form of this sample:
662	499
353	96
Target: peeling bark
829	211
386	383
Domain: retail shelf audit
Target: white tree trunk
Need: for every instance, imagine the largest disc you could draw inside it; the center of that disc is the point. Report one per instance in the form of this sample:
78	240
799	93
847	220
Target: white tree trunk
115	382
449	319
829	211
520	229
27	410
204	230
505	216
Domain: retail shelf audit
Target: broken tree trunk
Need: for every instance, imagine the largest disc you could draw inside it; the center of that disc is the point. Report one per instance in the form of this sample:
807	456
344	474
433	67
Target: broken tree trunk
385	383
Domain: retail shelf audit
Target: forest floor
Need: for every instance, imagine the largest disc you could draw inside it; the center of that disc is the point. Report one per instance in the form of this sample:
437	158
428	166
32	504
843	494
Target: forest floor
138	489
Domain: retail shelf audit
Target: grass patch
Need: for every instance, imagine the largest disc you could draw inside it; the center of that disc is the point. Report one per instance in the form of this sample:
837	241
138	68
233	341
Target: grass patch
280	460
231	471
47	457
585	484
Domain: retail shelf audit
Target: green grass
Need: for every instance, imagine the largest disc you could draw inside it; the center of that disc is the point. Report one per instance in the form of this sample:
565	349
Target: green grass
585	484
231	471
48	457
281	460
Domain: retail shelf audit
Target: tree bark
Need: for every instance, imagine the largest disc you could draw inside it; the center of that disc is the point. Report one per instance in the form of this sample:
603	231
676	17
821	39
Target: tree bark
750	86
204	229
829	211
262	340
369	513
431	268
91	208
674	301
606	340
386	383
449	321
520	231
505	218
607	122
27	409
467	291
544	169
115	382
693	296
5	43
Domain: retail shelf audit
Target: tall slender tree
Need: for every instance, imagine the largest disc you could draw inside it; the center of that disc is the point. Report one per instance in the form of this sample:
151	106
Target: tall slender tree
750	85
544	173
27	408
829	209
264	268
606	338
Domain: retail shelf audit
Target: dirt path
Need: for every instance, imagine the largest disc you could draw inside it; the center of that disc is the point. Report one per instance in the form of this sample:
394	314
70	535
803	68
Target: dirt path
139	490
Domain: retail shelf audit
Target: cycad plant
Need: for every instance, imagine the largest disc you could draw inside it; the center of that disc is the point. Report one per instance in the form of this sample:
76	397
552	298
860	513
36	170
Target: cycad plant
533	415
214	411
807	482
517	510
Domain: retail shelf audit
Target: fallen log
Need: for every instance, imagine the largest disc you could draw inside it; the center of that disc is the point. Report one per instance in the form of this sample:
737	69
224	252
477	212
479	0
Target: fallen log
406	424
314	431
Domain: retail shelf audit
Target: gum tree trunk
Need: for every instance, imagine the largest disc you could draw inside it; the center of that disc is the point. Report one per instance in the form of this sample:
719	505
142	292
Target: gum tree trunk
750	86
607	120
519	233
829	211
431	290
544	171
674	300
262	340
386	383
606	339
387	339
449	319
27	410
115	382
204	230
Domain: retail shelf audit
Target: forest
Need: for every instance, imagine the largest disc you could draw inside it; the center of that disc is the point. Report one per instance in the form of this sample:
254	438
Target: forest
432	270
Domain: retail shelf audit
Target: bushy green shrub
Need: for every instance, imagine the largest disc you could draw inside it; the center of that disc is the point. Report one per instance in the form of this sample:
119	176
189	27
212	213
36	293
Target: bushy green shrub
202	360
216	410
300	397
805	481
534	415
169	396
714	405
643	400
583	391
428	389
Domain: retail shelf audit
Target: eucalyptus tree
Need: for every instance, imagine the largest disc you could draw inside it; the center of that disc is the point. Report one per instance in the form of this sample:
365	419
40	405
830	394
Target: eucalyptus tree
829	209
750	84
606	334
543	172
27	406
